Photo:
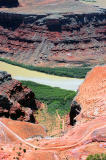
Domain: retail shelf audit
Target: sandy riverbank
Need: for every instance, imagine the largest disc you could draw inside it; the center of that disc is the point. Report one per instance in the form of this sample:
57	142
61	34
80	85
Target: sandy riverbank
42	78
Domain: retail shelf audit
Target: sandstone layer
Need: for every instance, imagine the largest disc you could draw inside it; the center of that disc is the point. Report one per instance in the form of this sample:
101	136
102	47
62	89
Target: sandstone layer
88	136
16	102
76	144
24	130
90	101
53	33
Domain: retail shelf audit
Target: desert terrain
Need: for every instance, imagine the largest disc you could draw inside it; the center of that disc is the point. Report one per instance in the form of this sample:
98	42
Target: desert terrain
23	140
54	33
52	117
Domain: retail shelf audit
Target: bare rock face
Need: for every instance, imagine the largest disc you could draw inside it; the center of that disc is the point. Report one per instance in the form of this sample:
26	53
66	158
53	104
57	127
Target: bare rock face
90	101
76	144
20	129
53	32
16	101
88	136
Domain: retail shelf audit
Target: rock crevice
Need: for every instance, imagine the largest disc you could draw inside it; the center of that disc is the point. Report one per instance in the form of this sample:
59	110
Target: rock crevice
16	102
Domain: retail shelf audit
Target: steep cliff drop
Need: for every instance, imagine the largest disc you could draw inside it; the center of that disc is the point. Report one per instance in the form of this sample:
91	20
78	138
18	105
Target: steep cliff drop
90	101
88	115
16	102
53	32
87	136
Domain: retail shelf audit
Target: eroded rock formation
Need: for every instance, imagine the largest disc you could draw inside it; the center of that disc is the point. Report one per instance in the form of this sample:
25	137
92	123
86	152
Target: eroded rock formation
88	136
16	102
90	101
43	35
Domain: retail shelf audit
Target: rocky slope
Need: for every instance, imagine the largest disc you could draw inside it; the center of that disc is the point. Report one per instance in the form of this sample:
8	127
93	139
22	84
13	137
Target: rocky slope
25	130
57	33
88	136
76	144
16	102
90	101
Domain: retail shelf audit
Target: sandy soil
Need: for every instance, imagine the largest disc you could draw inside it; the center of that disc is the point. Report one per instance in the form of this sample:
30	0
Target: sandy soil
42	78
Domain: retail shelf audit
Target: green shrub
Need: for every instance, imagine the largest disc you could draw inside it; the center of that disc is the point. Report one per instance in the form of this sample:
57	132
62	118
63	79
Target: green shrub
19	153
97	157
24	150
61	126
55	98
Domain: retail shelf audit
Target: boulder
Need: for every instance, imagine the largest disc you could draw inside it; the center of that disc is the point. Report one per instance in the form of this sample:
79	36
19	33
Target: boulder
16	102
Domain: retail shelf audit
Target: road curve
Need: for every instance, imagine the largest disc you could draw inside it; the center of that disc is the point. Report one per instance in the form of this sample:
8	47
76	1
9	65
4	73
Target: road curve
51	148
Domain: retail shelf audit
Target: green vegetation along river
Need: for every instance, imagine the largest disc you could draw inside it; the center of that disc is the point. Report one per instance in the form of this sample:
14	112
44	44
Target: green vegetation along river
72	72
20	73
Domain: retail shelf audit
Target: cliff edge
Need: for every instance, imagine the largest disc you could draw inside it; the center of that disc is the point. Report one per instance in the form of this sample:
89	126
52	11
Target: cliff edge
16	102
90	101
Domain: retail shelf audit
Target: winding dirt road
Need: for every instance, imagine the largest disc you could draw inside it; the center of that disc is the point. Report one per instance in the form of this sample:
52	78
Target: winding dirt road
83	139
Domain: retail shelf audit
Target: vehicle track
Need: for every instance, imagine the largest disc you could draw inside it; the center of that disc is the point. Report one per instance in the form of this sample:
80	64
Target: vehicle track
50	148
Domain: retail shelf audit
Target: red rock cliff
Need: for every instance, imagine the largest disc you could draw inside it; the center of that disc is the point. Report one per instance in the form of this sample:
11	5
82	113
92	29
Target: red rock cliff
88	136
90	101
16	101
74	37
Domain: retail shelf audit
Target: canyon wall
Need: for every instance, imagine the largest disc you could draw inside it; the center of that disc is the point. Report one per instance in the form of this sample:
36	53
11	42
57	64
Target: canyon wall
90	102
59	39
87	137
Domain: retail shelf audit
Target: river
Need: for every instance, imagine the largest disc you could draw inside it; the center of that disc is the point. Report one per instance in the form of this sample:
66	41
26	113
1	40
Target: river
42	78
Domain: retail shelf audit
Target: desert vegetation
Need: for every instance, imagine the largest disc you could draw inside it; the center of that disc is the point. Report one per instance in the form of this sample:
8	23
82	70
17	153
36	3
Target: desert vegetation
65	38
97	157
55	98
74	72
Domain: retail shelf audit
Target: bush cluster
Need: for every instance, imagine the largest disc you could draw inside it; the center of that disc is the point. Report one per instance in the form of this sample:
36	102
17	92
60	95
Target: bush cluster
55	98
97	157
74	72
